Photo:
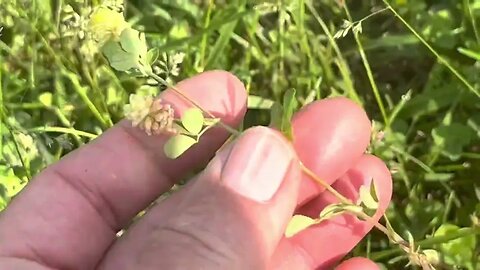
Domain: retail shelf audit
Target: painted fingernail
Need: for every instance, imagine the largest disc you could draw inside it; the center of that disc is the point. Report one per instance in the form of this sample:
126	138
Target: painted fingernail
257	164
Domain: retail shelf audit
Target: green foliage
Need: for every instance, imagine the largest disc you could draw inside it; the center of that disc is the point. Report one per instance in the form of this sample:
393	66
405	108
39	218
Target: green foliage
281	115
192	120
452	139
333	210
368	197
177	145
297	224
129	54
193	125
459	251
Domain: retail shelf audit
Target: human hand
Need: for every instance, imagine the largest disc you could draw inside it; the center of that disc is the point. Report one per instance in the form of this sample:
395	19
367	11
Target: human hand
230	216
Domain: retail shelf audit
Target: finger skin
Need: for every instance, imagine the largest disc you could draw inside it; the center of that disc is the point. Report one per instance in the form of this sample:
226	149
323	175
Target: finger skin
214	205
210	224
323	245
84	199
330	135
357	263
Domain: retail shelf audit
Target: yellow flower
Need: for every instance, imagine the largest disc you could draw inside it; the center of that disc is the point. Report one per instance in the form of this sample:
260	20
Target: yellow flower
106	24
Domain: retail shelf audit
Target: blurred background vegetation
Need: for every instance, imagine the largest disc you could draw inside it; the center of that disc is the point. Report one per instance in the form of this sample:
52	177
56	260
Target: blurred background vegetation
56	93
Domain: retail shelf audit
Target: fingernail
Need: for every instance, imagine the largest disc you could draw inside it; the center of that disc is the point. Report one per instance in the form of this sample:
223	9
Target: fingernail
257	164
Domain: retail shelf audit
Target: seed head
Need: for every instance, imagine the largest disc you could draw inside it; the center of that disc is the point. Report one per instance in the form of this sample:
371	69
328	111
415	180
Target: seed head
151	115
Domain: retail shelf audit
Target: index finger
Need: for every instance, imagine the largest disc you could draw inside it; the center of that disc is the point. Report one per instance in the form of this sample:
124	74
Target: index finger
83	200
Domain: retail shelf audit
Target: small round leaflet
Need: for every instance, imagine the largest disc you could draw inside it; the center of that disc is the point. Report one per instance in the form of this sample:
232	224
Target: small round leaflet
297	224
193	120
177	145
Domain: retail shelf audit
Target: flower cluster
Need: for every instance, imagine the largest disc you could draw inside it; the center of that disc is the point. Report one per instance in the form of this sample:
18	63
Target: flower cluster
151	115
106	24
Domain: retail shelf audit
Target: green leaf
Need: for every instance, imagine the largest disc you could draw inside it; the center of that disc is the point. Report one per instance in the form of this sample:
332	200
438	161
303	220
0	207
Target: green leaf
10	182
333	210
132	41
411	240
290	104
276	115
438	177
128	55
152	56
474	123
261	103
368	196
458	251
193	120
433	256
226	32
469	53
118	58
281	115
46	99
298	223
452	138
177	145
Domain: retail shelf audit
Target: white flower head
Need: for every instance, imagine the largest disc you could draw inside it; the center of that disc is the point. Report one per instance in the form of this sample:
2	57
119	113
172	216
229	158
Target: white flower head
138	108
177	59
151	115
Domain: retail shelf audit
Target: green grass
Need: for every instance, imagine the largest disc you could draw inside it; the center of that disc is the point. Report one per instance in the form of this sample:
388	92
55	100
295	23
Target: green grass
413	67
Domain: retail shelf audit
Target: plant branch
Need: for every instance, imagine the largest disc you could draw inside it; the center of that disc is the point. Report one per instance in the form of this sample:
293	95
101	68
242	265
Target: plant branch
393	236
366	65
181	94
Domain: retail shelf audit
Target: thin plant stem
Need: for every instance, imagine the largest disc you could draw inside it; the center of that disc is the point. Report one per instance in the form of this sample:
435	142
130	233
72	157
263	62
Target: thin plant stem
369	15
394	237
473	21
342	63
82	93
180	93
368	69
440	58
64	131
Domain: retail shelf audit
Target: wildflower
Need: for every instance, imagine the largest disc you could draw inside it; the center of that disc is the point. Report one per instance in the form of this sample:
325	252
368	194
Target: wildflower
169	64
151	115
106	24
138	108
177	59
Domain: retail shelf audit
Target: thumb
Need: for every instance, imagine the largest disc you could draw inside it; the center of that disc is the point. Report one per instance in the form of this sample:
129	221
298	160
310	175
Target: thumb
231	216
248	194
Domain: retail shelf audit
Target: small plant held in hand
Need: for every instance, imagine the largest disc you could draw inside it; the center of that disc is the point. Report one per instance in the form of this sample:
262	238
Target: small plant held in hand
126	50
156	117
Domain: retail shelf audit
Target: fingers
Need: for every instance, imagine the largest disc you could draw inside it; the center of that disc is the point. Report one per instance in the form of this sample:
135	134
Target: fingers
231	216
326	243
329	136
358	263
334	123
94	191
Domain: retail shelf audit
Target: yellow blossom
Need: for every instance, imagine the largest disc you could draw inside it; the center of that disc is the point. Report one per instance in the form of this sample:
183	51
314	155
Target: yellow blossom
106	24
